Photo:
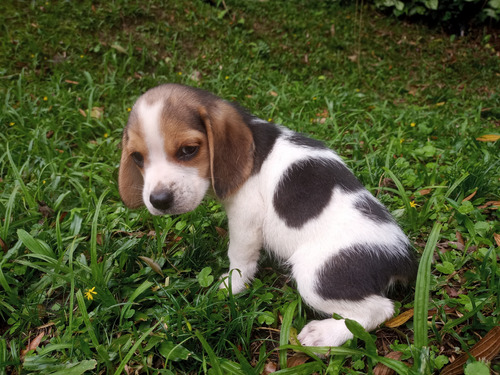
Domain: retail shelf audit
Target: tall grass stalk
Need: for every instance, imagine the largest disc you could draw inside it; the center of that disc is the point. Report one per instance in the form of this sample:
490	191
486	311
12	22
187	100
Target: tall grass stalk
422	301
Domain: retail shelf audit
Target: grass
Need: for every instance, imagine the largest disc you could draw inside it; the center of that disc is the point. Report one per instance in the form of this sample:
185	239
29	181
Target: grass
403	104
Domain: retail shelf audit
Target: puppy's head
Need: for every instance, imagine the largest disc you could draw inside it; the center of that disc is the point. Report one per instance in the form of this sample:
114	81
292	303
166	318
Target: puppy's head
178	141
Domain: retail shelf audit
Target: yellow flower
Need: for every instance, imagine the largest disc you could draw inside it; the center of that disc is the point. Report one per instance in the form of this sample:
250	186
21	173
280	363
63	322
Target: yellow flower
45	98
12	124
129	109
89	293
412	124
413	204
106	135
227	77
401	140
180	73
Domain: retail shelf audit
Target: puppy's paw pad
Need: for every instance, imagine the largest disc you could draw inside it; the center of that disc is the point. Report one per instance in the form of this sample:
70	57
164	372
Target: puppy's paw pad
328	332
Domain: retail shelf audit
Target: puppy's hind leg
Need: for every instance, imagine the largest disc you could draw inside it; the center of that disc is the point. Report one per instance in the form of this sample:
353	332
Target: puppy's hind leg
340	284
369	312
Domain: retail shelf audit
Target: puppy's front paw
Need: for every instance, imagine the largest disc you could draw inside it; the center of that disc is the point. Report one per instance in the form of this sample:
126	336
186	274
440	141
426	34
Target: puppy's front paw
328	332
237	281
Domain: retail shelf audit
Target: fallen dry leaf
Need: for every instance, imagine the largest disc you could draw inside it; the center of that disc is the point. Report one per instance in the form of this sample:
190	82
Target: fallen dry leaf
221	232
45	210
273	93
269	368
381	369
488	138
119	48
97	112
82	112
98	239
151	263
297	359
496	236
195	76
460	238
3	245
486	349
72	82
469	197
424	191
494	205
400	319
353	58
33	344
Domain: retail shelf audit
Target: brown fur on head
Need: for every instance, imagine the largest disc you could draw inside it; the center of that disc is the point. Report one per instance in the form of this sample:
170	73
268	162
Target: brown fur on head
185	117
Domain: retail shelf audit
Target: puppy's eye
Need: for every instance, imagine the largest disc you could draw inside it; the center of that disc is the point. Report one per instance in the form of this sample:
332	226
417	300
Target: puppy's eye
138	159
187	152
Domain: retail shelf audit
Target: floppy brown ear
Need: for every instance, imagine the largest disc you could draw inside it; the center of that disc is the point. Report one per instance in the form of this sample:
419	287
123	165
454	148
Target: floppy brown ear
130	180
231	147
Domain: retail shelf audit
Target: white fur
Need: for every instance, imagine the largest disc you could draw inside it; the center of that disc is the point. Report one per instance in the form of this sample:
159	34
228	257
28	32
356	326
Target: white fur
254	224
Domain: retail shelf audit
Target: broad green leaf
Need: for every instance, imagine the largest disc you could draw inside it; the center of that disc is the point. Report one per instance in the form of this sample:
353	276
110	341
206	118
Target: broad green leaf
205	278
77	369
446	267
34	245
173	352
476	368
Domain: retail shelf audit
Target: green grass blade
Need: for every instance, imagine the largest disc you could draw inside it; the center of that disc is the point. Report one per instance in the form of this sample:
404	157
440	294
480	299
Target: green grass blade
77	369
421	351
456	184
95	267
312	351
3	356
285	332
26	194
214	361
34	245
406	201
90	329
8	213
304	369
231	367
3	282
134	348
69	330
140	289
422	288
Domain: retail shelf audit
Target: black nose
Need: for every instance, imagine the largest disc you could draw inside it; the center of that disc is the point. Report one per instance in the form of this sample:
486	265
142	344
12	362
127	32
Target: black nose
161	200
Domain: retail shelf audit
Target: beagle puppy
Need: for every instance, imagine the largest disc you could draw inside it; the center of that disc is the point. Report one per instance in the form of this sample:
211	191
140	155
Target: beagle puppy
282	191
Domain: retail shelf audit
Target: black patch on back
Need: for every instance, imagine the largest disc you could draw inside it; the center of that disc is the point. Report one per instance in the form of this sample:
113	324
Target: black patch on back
360	271
306	188
373	210
264	137
301	140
